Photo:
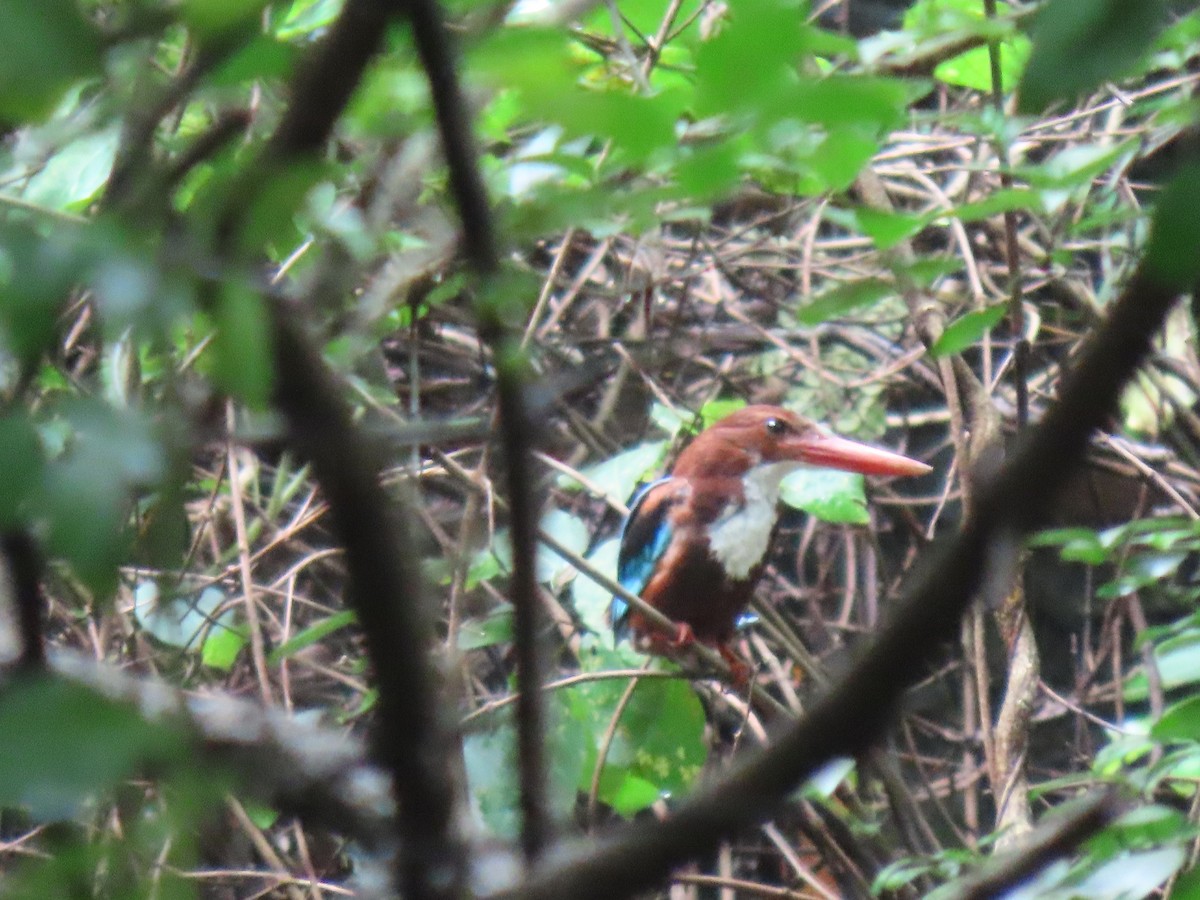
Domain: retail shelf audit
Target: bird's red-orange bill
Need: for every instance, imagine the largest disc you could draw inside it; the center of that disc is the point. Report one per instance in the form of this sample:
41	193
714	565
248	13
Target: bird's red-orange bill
833	452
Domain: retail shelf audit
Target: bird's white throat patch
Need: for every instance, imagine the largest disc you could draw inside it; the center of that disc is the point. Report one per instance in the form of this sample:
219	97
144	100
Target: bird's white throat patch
739	538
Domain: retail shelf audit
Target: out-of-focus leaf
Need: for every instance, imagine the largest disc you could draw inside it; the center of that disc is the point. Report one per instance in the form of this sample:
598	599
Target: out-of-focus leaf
36	275
74	174
887	229
304	17
1142	570
1081	545
971	69
964	331
1131	874
495	628
259	59
1178	661
715	410
828	494
243	348
746	64
828	778
21	466
999	202
62	742
44	47
1171	255
841	154
86	492
215	17
1179	722
1080	44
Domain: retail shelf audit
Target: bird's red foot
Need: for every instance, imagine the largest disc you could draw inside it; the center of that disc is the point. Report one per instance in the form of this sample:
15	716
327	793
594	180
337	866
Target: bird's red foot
662	645
739	672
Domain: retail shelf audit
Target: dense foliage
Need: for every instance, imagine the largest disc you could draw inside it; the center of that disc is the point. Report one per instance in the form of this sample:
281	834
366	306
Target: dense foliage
250	308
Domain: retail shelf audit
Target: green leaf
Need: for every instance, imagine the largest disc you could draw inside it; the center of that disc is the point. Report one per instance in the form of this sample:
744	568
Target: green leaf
36	276
591	600
44	47
1178	661
570	531
715	410
1132	874
63	742
215	17
311	635
303	17
1179	722
658	747
1082	545
243	347
21	469
966	330
223	644
1173	253
887	229
490	759
843	299
619	475
496	628
841	154
186	622
999	202
828	494
973	69
1080	44
747	63
74	175
86	493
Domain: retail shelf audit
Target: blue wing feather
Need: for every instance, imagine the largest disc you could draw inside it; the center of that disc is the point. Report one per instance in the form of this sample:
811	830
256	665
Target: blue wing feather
645	537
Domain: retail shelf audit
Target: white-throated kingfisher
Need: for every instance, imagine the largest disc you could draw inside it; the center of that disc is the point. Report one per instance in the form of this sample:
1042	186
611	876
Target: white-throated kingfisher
695	543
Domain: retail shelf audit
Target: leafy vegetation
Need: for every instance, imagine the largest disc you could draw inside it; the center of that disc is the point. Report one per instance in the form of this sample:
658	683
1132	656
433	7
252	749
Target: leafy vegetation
213	232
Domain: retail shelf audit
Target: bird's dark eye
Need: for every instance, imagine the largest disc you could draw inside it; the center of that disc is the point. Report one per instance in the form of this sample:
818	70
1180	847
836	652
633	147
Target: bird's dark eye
776	426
